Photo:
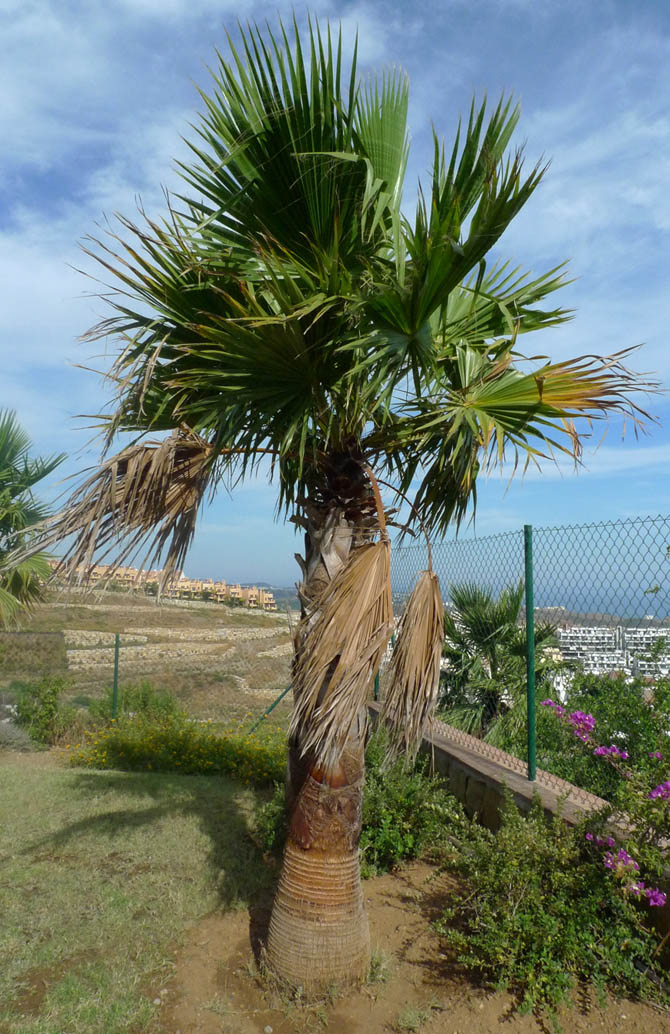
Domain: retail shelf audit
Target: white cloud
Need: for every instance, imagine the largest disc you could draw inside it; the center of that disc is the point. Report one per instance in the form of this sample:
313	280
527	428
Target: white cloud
606	461
182	10
609	146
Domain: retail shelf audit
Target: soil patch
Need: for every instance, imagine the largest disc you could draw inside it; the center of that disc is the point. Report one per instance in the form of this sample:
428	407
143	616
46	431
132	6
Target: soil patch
37	982
216	988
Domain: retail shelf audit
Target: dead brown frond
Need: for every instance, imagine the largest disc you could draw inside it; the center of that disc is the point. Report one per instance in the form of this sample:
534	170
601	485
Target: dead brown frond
347	632
415	667
146	496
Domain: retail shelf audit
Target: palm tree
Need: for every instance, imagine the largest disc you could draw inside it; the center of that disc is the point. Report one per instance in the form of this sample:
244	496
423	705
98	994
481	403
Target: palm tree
483	684
286	317
21	584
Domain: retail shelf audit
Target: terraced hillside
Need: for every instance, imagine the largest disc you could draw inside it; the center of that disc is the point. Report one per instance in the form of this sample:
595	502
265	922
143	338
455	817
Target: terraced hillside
223	663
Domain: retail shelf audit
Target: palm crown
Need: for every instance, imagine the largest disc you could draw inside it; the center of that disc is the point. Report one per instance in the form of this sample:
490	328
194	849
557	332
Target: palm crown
287	307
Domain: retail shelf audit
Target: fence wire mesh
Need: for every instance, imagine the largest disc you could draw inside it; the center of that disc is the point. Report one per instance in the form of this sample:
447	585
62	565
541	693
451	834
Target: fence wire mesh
493	564
605	586
31	655
601	605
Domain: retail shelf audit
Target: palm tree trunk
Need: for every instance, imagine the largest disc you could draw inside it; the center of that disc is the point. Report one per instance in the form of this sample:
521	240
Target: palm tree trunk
318	935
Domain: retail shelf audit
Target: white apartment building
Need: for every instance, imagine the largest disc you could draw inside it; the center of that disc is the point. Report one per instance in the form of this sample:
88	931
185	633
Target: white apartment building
599	649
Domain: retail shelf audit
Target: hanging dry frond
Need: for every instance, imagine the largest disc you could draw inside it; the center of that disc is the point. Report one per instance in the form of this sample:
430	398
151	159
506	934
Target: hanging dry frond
415	667
347	632
144	497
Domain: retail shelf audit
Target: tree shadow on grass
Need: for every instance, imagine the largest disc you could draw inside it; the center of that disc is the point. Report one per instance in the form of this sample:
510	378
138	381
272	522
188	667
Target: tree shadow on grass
242	876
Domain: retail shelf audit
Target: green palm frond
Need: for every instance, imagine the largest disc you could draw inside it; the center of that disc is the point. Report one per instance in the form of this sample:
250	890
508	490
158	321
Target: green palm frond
21	581
499	303
284	306
19	473
22	587
483	411
291	150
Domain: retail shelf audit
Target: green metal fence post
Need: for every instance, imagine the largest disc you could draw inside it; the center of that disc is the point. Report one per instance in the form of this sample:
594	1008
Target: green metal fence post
115	686
268	710
530	651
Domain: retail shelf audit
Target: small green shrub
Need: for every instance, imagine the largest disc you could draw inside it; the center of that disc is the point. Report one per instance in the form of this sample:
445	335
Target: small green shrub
540	912
177	744
272	822
40	711
141	699
405	812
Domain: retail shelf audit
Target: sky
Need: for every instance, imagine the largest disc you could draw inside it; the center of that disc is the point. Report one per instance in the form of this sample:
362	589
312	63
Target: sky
95	100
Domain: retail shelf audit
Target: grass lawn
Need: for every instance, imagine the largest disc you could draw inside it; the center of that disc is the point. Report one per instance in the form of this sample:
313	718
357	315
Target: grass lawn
101	874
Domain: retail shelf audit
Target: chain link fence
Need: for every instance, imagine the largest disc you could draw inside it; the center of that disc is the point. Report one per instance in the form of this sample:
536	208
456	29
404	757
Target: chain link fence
26	656
492	563
605	586
601	604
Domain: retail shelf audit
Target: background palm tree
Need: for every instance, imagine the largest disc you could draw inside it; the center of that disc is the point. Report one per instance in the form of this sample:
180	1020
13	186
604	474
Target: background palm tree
287	317
484	682
21	584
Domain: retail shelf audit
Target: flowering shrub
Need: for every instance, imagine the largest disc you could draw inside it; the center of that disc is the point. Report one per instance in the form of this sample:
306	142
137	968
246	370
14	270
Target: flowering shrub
661	792
631	716
639	811
175	744
547	905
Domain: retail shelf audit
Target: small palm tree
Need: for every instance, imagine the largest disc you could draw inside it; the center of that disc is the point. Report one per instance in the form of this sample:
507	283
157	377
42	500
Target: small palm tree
483	682
286	317
21	584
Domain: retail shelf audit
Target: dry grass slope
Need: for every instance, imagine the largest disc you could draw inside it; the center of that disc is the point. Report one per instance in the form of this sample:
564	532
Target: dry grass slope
225	664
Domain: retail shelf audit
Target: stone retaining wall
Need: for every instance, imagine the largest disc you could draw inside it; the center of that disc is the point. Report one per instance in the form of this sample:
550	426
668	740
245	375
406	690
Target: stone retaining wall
208	635
477	774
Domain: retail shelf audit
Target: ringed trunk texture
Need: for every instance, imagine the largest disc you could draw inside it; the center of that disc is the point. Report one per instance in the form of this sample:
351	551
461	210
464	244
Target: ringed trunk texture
318	934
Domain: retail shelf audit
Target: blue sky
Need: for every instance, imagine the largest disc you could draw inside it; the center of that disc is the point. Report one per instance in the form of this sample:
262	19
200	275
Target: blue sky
96	98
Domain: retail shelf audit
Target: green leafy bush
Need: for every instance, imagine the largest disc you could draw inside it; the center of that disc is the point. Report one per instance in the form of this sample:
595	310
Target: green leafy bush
40	711
141	699
176	744
405	812
632	715
272	822
541	910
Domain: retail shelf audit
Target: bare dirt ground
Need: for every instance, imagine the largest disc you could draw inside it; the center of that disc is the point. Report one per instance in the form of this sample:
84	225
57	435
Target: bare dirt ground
216	988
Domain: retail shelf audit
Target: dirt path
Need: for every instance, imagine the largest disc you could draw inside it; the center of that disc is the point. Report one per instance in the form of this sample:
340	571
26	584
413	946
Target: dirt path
216	990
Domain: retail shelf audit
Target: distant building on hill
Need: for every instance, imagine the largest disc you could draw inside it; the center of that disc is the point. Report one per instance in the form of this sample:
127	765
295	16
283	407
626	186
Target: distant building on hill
179	587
